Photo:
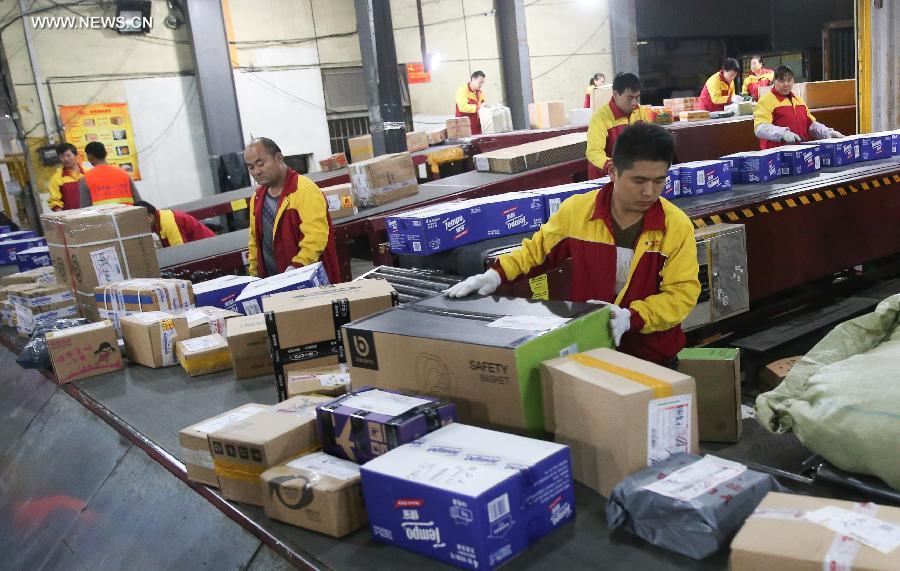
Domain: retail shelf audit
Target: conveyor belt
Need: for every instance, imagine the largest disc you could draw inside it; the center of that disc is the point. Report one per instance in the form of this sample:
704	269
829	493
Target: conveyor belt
225	244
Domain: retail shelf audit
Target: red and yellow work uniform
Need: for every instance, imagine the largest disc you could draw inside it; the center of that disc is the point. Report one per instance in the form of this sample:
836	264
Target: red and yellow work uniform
65	193
176	228
108	184
661	287
467	104
754	81
303	234
607	123
587	96
717	93
782	111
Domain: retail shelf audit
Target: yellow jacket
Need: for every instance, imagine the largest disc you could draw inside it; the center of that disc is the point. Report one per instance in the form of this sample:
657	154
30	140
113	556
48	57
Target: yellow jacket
467	101
606	124
64	186
717	93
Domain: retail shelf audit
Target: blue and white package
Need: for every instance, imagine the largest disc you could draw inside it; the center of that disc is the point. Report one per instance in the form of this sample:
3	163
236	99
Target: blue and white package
839	152
250	299
799	159
443	227
221	292
5	229
467	496
874	146
9	248
760	166
704	177
673	184
18	235
735	160
554	196
37	257
510	213
396	237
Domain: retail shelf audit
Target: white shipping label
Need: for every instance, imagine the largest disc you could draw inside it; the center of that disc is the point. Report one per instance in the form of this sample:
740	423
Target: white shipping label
217	324
322	463
878	534
529	322
668	427
383	402
151	316
335	380
197	457
199	344
334	203
221	422
697	479
106	266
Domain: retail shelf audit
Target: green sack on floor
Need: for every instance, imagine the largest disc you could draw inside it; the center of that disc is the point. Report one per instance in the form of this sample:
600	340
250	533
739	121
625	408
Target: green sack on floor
842	400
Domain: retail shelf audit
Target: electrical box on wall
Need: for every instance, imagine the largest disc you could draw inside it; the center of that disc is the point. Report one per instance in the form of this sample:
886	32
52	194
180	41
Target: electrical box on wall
48	155
133	17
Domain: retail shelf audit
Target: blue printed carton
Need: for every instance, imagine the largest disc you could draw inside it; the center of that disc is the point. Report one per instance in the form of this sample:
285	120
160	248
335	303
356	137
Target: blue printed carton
467	496
673	184
510	213
18	235
704	177
554	196
759	166
735	160
797	160
443	227
10	247
221	292
396	237
249	301
839	152
5	229
31	258
874	146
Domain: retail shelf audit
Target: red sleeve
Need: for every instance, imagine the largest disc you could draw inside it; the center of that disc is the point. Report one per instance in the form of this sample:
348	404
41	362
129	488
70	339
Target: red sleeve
753	88
190	228
587	100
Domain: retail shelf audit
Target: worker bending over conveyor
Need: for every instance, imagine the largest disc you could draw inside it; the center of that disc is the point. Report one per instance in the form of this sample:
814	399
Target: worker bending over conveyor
719	88
175	227
608	121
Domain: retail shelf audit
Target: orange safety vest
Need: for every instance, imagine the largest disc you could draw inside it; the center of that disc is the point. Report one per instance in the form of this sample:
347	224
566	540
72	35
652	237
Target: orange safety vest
109	184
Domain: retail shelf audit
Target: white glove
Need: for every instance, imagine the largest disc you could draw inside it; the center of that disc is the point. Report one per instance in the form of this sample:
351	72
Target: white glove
790	137
483	284
737	99
619	320
832	134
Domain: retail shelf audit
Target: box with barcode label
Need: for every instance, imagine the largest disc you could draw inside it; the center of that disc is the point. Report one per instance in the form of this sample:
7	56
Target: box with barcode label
339	199
839	152
222	291
150	338
203	355
797	160
203	321
250	299
438	228
467	496
554	196
704	177
618	413
330	381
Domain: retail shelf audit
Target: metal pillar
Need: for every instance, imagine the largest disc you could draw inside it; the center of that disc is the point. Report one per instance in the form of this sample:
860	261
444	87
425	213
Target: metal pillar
515	59
387	123
623	21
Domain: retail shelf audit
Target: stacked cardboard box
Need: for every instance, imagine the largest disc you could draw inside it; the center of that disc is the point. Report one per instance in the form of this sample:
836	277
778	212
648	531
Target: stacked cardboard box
250	300
533	155
32	258
248	345
42	275
333	162
118	299
384	179
221	292
704	177
202	321
459	128
340	200
547	114
150	337
41	303
437	136
679	104
84	351
10	248
416	141
360	148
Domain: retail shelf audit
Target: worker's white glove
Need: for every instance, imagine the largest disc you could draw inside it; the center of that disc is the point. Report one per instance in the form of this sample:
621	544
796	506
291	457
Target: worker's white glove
483	284
832	134
790	137
619	320
737	99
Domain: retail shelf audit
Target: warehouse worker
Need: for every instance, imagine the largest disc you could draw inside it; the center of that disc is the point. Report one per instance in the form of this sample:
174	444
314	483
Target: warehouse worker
289	222
608	121
782	117
105	183
597	80
65	185
627	246
174	227
719	89
759	76
469	99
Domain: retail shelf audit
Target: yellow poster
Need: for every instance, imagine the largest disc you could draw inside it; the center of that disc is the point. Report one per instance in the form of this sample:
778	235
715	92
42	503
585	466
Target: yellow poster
107	123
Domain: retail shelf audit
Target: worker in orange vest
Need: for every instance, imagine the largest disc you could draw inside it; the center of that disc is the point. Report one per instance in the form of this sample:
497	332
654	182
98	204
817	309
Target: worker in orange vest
66	181
719	89
175	227
469	100
597	80
105	183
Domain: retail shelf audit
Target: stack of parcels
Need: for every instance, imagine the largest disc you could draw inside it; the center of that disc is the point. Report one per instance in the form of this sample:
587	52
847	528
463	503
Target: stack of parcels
32	258
40	303
42	275
250	300
99	245
496	119
203	355
322	312
554	196
360	148
202	321
15	283
437	136
695	115
416	141
384	179
340	200
221	292
117	299
84	351
533	155
10	247
755	166
704	177
459	128
680	104
248	344
333	162
798	160
150	337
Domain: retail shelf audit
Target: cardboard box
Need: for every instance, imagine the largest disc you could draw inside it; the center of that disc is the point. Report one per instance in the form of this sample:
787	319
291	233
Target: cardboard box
695	115
317	492
704	177
778	536
31	258
195	452
839	152
437	228
479	521
496	119
755	166
360	148
18	235
366	423
459	128
679	104
835	93
84	351
481	353
35	276
547	114
244	450
221	292
580	117
416	141
618	414
437	136
203	321
772	375
7	314
600	96
717	375
40	303
510	213
9	248
248	344
554	196
673	184
150	337
116	300
332	381
322	311
874	146
203	355
384	179
340	200
798	160
533	155
333	162
250	300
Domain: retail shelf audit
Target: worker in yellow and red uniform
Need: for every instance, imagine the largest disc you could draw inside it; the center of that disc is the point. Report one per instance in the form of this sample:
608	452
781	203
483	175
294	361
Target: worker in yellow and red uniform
759	76
174	227
781	117
469	99
105	183
66	181
627	246
289	222
608	121
719	89
597	80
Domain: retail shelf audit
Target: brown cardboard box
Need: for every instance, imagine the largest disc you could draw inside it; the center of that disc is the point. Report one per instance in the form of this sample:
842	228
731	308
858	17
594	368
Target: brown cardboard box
248	344
696	115
84	351
601	96
437	136
41	302
246	449
143	294
360	148
533	155
203	355
203	321
340	200
835	93
317	492
333	162
384	179
717	374
150	338
601	404
416	141
195	445
459	128
547	114
35	276
7	314
777	536
772	375
679	104
332	381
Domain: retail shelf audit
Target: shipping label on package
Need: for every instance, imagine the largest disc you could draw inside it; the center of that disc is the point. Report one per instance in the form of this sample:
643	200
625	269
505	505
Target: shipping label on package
668	427
106	266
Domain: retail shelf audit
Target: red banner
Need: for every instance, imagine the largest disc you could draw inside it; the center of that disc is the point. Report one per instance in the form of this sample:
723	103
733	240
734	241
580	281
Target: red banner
415	73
